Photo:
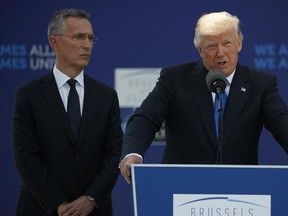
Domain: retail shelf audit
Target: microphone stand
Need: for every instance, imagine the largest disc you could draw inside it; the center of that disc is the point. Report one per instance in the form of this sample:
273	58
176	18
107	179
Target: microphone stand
219	156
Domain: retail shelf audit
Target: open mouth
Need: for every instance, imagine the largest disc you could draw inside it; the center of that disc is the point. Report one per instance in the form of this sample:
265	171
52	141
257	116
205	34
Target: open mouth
222	63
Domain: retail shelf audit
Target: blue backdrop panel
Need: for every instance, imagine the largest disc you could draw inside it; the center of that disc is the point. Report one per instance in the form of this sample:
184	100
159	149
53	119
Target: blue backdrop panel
142	33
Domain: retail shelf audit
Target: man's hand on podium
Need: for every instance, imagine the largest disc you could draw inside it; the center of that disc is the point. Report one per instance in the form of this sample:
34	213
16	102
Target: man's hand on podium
125	166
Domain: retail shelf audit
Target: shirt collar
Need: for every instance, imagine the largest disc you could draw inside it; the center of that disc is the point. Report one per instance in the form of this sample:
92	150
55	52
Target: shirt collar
230	77
62	78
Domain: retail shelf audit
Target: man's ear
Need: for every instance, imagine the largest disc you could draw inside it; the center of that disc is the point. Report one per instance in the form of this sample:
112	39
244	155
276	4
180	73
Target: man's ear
200	51
239	45
53	42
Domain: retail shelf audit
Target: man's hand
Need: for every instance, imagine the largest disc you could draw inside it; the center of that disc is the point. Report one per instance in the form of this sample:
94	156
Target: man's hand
62	208
79	207
125	166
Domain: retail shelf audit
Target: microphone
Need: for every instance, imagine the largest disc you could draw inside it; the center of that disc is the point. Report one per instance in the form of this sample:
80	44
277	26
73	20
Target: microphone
216	81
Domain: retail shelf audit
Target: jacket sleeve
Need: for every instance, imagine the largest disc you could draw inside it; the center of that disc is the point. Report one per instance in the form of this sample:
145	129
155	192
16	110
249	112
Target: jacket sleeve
101	186
27	156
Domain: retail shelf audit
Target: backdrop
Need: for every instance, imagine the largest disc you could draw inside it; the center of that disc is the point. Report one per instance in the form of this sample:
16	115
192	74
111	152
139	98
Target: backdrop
141	34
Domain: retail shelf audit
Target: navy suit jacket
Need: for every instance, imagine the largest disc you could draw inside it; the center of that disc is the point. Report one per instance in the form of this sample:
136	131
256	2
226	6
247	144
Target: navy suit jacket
182	99
53	166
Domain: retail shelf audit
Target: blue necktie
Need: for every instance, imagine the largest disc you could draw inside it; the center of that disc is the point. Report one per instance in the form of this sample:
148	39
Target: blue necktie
216	109
73	108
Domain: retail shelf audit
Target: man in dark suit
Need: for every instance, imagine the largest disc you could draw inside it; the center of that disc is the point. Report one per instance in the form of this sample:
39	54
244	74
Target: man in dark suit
182	99
68	161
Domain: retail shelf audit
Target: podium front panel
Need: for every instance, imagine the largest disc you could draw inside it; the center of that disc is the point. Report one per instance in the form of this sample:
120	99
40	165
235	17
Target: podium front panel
210	190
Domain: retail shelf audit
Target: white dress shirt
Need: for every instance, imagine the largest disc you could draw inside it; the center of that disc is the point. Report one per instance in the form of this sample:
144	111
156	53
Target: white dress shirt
64	88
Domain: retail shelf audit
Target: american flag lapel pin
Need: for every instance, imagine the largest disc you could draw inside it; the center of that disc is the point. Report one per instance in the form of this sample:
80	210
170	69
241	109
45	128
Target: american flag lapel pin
243	89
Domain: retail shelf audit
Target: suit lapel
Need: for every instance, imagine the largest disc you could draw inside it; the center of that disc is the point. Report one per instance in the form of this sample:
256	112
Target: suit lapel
89	107
51	94
236	100
238	94
203	98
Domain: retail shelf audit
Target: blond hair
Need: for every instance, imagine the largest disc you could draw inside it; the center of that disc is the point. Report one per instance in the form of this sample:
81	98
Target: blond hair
216	23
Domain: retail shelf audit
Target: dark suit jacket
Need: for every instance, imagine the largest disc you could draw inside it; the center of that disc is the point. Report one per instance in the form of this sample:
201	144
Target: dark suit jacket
182	98
54	167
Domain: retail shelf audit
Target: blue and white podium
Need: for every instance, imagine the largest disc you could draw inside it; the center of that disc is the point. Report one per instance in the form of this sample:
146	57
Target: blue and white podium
210	190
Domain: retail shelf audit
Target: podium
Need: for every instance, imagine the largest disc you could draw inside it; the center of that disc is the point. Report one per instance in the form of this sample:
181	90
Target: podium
209	190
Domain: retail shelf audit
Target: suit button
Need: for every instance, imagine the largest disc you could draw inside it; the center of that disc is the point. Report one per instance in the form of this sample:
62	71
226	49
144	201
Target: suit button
77	159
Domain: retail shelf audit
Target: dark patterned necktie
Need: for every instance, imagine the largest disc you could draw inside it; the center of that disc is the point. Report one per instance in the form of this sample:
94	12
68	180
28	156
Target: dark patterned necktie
73	108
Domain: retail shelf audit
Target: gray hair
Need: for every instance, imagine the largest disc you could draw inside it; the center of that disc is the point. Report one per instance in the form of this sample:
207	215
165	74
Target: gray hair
57	22
216	23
